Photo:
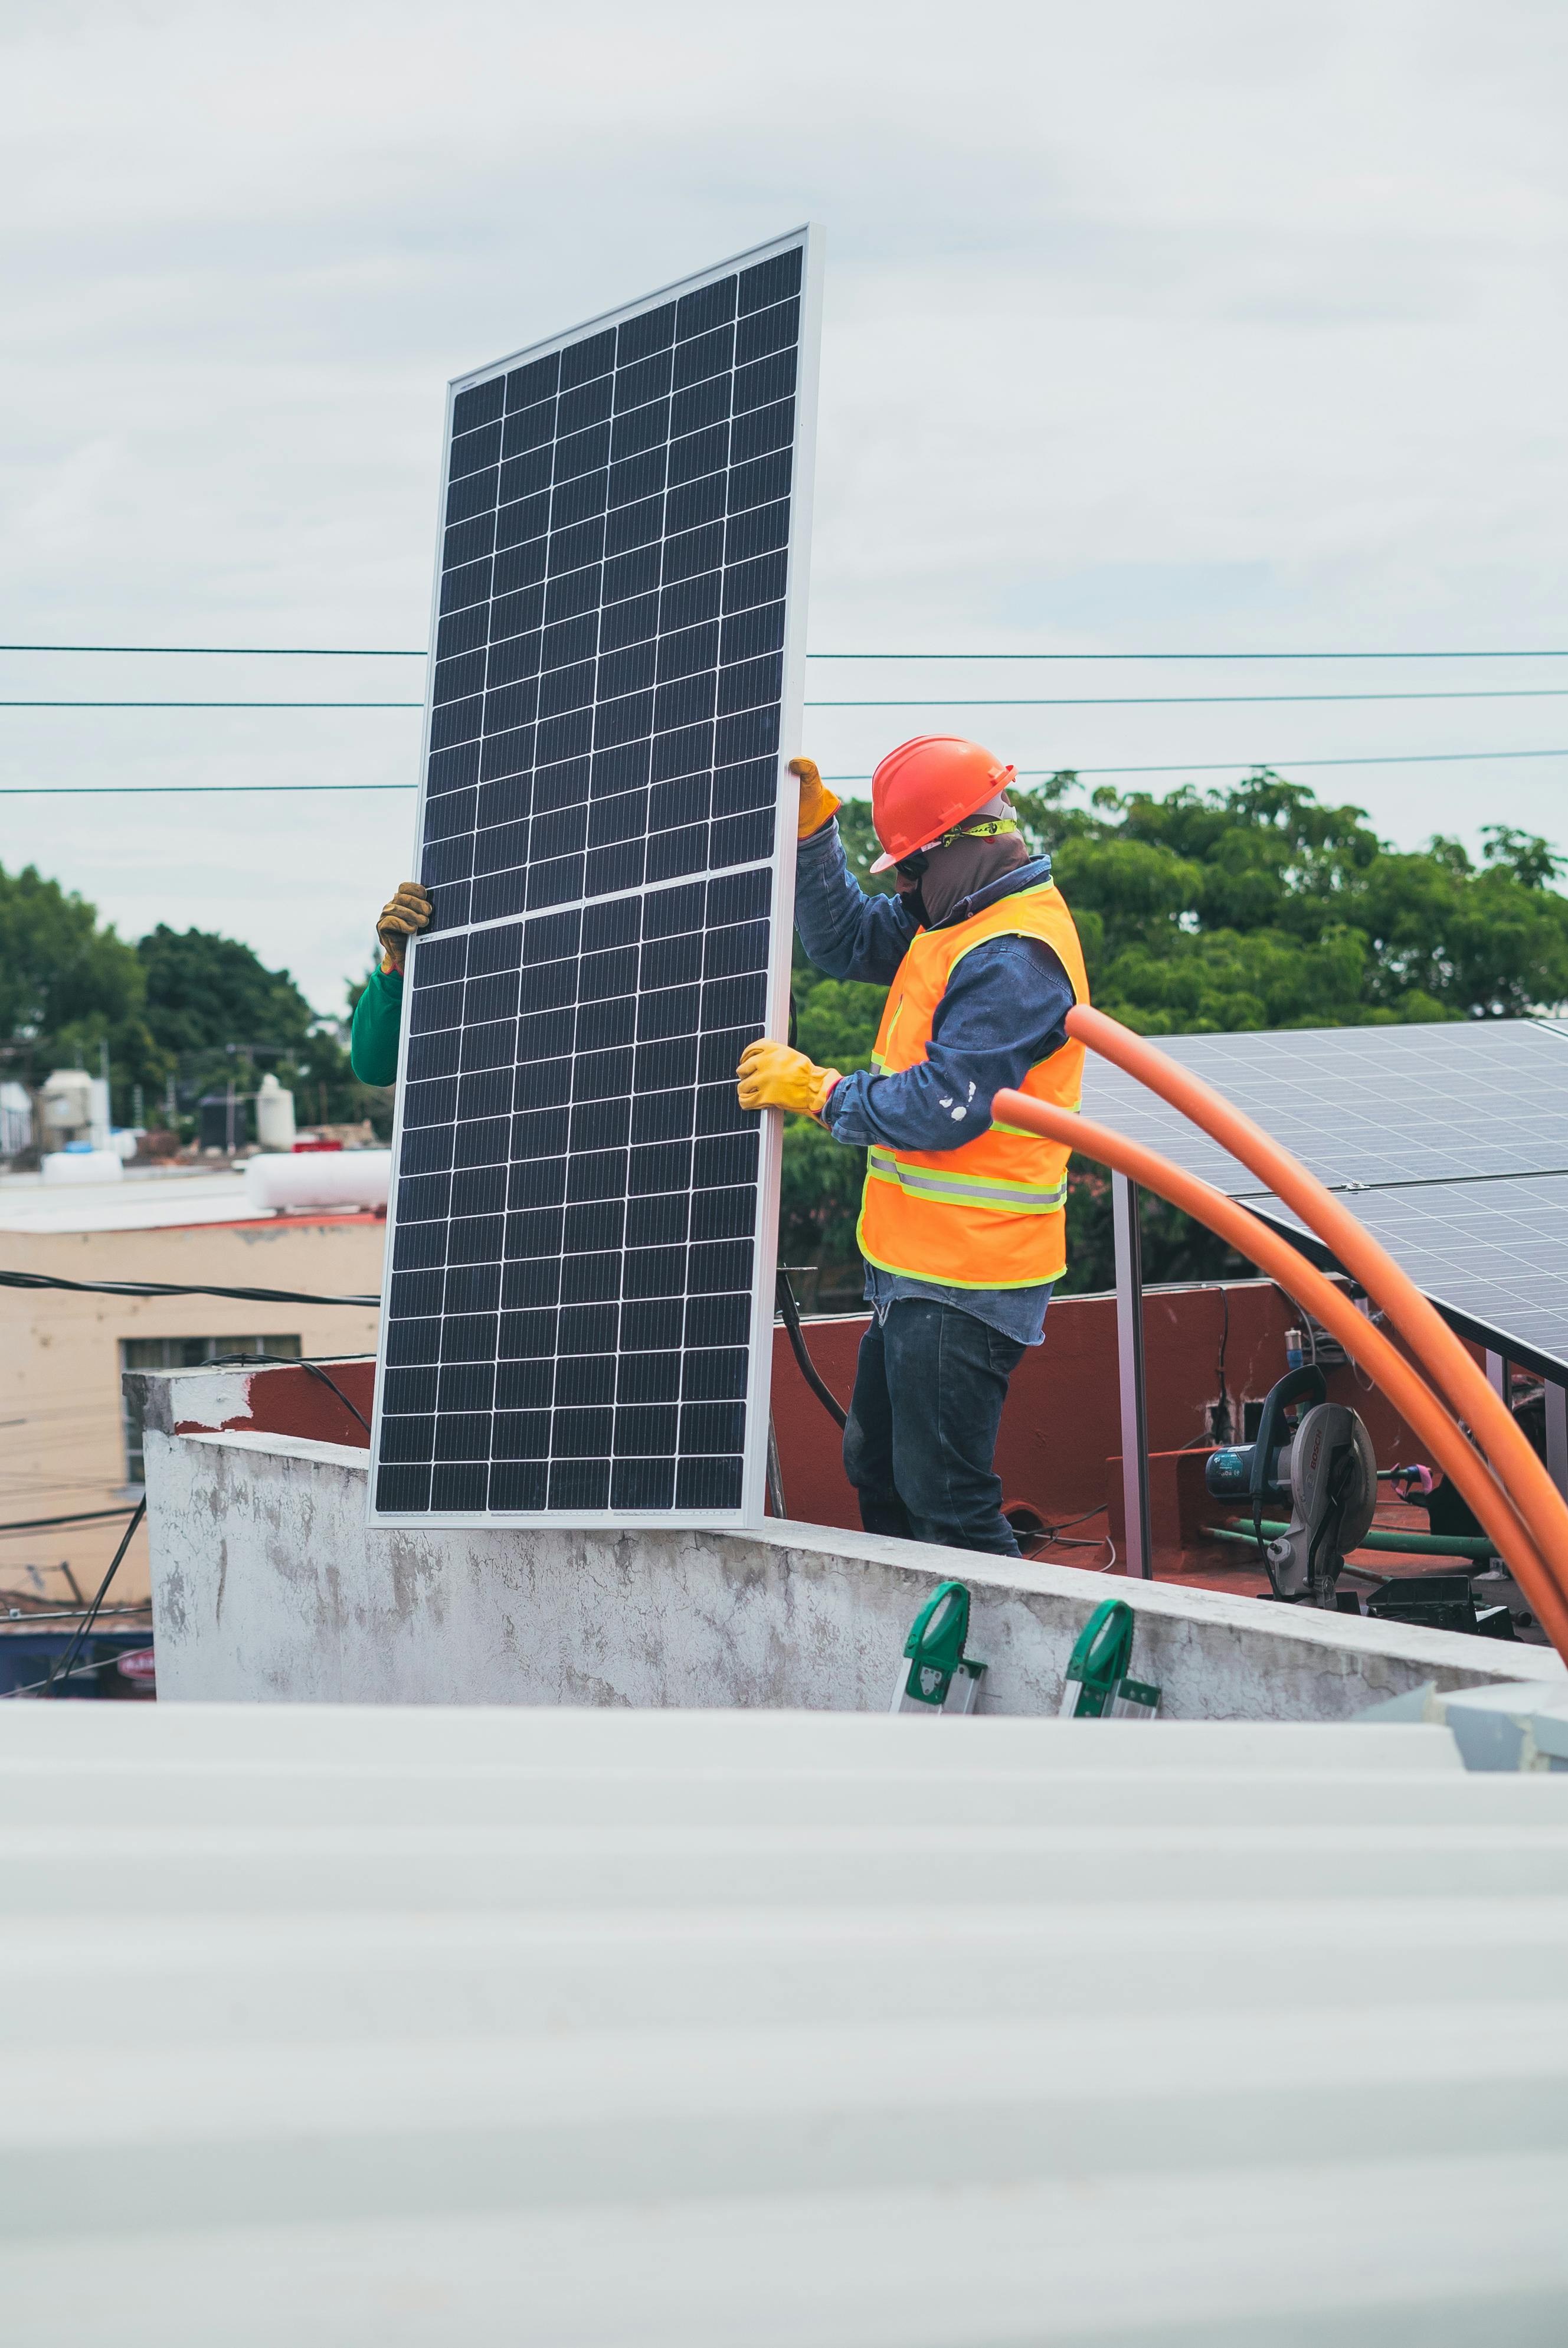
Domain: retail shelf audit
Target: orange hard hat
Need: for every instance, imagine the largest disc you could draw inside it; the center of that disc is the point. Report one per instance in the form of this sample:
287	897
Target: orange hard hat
925	787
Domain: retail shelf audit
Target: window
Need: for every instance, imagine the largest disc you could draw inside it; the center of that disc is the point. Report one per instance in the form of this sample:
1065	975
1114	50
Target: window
180	1354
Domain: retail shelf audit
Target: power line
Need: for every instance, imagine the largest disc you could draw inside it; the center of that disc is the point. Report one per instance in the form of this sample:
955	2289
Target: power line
1532	653
166	1288
929	701
211	704
1126	700
247	652
61	1666
183	791
47	1524
1063	766
1268	766
409	652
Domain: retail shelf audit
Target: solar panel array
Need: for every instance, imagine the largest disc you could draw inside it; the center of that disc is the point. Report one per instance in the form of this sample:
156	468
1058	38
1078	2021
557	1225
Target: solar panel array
1364	1105
1493	1255
1451	1142
581	1252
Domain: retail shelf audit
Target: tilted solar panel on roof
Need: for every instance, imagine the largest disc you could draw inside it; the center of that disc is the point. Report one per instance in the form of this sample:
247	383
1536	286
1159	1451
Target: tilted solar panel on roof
581	1263
1492	1254
1364	1105
1450	1142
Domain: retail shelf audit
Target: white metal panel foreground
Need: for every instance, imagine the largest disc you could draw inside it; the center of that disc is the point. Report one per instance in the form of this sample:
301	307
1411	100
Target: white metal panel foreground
370	2026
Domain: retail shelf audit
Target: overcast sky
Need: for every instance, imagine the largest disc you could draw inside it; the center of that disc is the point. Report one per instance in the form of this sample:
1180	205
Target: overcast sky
1224	327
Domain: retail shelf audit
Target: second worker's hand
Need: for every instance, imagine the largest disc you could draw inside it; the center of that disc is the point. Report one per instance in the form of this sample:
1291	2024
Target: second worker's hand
818	804
405	912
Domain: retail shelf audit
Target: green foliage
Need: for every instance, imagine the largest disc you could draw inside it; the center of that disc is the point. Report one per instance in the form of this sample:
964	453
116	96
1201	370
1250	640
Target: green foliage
184	1004
1257	907
205	992
66	986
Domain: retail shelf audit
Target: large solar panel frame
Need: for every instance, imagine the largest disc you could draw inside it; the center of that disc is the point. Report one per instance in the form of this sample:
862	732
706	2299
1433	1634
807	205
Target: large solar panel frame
734	899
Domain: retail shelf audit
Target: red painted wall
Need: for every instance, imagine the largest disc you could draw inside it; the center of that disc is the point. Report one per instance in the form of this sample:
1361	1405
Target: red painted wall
1059	1429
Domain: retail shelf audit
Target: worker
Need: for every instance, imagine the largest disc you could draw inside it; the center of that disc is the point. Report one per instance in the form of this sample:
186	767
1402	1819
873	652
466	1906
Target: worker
378	1014
962	1220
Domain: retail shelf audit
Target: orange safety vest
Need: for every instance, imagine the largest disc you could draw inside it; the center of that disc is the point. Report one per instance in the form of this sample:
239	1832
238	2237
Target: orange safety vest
993	1212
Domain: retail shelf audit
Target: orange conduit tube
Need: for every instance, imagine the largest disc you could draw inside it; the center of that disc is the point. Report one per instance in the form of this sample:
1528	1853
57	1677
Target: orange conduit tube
1366	1343
1439	1351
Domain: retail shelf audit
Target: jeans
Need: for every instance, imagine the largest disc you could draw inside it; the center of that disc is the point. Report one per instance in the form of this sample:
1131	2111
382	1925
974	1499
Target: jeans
928	1395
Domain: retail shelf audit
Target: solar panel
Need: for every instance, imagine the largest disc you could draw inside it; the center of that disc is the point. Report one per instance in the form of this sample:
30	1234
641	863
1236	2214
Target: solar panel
1492	1255
1364	1105
579	1305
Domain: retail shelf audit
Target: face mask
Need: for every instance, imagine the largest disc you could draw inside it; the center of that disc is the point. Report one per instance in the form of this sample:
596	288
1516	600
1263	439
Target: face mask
963	860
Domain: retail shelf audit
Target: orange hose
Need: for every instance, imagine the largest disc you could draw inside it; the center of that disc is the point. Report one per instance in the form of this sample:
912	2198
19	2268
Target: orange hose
1439	1351
1366	1343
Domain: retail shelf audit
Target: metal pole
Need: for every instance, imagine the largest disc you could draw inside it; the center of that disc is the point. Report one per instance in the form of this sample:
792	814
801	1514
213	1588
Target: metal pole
1497	1376
1130	1375
1557	1434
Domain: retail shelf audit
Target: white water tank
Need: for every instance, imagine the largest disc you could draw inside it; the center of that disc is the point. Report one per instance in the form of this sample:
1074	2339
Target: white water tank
81	1166
320	1178
274	1115
68	1106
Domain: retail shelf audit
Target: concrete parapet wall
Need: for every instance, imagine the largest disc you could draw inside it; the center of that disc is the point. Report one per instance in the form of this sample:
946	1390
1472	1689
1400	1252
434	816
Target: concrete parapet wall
268	1585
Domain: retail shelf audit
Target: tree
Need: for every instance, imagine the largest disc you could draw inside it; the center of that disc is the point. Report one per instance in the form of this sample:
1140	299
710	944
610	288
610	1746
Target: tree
211	1002
66	986
173	1005
205	992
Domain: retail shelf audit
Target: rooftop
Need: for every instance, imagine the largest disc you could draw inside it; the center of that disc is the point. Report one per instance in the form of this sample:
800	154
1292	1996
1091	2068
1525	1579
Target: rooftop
147	1197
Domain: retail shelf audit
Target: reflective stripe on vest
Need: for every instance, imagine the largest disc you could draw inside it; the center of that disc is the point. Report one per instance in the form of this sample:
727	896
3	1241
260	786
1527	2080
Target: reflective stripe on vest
1003	1198
991	1213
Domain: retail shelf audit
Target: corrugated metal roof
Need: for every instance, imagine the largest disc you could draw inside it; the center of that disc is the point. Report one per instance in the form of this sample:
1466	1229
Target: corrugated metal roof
328	2025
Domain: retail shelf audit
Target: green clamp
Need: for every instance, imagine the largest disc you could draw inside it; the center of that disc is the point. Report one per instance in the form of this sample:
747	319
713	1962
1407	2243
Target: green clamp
939	1676
1098	1661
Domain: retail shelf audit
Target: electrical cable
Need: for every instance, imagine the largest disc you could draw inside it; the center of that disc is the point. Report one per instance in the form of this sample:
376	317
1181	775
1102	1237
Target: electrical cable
1530	653
64	1613
1265	766
1025	775
82	1517
37	1688
78	703
183	791
171	1288
923	701
941	701
784	1295
73	1648
421	652
246	652
292	1362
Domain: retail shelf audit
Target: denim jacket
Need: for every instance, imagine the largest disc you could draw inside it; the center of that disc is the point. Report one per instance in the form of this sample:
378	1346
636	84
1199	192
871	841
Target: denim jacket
1003	1011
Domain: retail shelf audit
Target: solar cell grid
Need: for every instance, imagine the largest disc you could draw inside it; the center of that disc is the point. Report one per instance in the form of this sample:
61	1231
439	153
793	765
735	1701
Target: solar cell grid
1365	1105
1493	1254
575	1281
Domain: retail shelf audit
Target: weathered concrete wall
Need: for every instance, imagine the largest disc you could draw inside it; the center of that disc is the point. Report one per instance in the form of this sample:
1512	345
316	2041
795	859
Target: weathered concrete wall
267	1584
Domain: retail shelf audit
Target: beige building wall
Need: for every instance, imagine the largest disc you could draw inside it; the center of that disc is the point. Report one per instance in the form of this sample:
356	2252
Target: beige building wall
62	1445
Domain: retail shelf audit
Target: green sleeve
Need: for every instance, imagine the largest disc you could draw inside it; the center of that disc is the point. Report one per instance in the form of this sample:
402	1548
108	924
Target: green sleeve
377	1018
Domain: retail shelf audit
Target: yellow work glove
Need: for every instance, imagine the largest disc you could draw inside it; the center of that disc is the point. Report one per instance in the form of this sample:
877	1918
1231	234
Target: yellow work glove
818	804
773	1077
403	917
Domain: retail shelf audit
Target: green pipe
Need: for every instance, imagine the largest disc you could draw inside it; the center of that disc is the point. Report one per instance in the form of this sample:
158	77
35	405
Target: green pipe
1405	1544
